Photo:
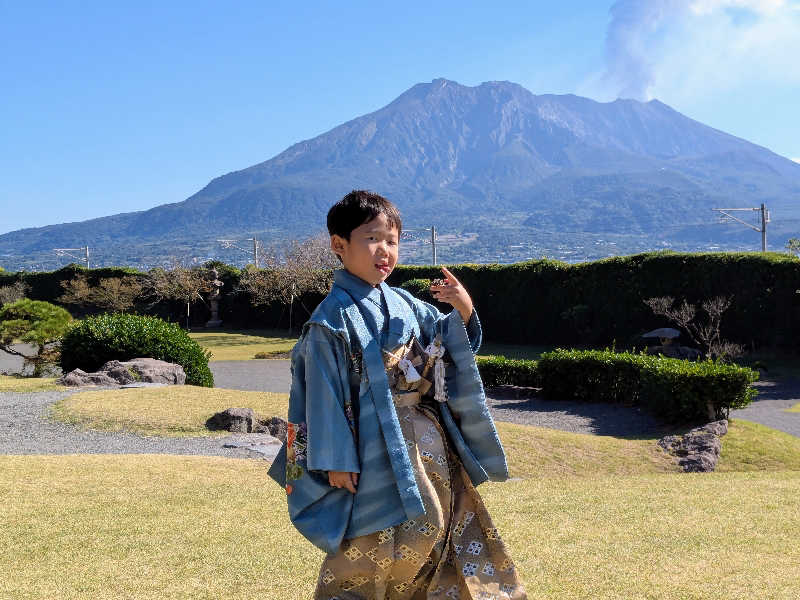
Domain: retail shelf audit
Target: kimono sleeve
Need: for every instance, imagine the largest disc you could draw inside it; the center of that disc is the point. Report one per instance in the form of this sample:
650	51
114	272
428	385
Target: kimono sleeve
319	401
465	415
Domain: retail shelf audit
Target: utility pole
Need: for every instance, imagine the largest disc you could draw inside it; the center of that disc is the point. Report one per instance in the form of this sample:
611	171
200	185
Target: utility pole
432	229
254	251
68	252
726	217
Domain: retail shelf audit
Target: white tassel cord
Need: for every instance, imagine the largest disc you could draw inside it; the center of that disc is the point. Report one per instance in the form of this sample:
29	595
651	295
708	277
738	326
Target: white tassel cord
436	350
409	372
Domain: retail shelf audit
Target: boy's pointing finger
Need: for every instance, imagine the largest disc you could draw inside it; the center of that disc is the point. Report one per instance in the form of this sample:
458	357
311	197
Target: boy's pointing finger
450	276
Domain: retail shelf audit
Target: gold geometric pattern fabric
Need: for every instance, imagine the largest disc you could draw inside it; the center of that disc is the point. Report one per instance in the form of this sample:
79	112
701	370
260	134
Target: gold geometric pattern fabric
452	552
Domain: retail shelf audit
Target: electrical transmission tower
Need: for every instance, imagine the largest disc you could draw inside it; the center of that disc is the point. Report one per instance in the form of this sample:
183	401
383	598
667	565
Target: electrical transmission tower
726	217
253	252
68	251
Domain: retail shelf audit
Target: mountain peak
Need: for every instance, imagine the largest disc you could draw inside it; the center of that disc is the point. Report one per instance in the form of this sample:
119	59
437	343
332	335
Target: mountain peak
469	154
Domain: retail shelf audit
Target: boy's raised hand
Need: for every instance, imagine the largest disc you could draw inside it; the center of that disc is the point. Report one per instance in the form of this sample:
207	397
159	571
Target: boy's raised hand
343	479
455	294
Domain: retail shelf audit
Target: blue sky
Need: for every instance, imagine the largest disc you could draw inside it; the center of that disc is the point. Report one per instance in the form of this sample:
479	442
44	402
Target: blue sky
110	107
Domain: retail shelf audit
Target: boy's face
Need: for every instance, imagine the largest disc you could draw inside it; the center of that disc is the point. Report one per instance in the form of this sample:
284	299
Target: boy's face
371	253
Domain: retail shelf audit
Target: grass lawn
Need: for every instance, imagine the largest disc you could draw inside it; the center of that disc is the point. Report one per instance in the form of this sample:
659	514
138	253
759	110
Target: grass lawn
171	527
169	411
585	517
12	383
532	451
243	345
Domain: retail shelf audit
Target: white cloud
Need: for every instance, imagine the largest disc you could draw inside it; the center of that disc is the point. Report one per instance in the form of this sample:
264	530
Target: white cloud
714	54
704	7
682	50
797	160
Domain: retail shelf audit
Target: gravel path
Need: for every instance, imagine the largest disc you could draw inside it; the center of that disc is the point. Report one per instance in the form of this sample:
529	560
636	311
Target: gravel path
26	429
769	407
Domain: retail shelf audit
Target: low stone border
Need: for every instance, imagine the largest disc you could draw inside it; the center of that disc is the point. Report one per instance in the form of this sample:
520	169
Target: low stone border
698	450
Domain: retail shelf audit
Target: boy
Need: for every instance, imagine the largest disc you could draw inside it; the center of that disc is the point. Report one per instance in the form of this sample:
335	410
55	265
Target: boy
377	474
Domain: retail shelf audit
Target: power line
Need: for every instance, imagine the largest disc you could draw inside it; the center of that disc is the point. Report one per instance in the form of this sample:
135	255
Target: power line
726	217
253	252
68	251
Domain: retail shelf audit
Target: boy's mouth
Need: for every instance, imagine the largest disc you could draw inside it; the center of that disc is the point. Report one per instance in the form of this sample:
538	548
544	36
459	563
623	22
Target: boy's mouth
383	267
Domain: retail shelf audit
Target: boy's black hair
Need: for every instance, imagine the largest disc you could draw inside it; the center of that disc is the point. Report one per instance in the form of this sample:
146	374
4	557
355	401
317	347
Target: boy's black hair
359	207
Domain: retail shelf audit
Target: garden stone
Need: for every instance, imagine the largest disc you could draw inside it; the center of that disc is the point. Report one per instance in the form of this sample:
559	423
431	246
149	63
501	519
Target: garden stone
137	370
78	377
701	443
275	426
240	420
147	370
718	428
698	463
262	443
699	449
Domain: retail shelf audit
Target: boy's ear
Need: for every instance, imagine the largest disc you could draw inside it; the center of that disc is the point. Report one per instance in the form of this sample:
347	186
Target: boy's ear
337	245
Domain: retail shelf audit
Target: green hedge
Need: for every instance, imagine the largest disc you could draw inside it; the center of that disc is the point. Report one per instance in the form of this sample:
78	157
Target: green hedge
673	389
499	370
547	301
94	341
597	303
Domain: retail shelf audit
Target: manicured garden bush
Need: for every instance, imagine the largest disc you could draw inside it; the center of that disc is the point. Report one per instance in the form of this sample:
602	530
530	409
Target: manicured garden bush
676	390
96	340
419	288
499	370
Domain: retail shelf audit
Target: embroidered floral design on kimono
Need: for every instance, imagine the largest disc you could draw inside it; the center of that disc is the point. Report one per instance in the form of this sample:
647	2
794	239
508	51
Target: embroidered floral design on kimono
296	443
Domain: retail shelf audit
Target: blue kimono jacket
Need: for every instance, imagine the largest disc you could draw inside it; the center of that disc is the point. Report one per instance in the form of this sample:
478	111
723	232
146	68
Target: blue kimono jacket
342	417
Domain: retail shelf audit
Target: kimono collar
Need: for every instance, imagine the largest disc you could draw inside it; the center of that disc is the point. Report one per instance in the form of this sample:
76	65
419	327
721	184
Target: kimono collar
402	322
357	287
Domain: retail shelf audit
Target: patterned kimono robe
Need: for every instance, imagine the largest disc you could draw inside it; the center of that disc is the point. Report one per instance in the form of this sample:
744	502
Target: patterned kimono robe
342	417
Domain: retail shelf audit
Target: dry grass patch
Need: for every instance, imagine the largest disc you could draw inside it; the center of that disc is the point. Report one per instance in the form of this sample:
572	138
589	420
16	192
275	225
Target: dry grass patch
11	383
532	451
176	527
753	447
718	535
535	452
243	346
169	411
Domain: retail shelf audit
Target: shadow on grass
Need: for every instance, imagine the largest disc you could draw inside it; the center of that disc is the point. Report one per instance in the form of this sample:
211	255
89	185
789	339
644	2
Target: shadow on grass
613	420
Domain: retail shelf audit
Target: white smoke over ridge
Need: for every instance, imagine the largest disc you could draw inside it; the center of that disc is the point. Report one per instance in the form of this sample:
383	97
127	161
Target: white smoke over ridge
682	46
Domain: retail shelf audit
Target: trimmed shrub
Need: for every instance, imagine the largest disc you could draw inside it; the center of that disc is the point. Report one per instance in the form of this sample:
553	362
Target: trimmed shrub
673	389
94	341
499	370
420	288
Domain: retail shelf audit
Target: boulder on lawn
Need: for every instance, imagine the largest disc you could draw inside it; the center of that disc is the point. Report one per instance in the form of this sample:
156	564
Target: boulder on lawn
137	370
240	420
